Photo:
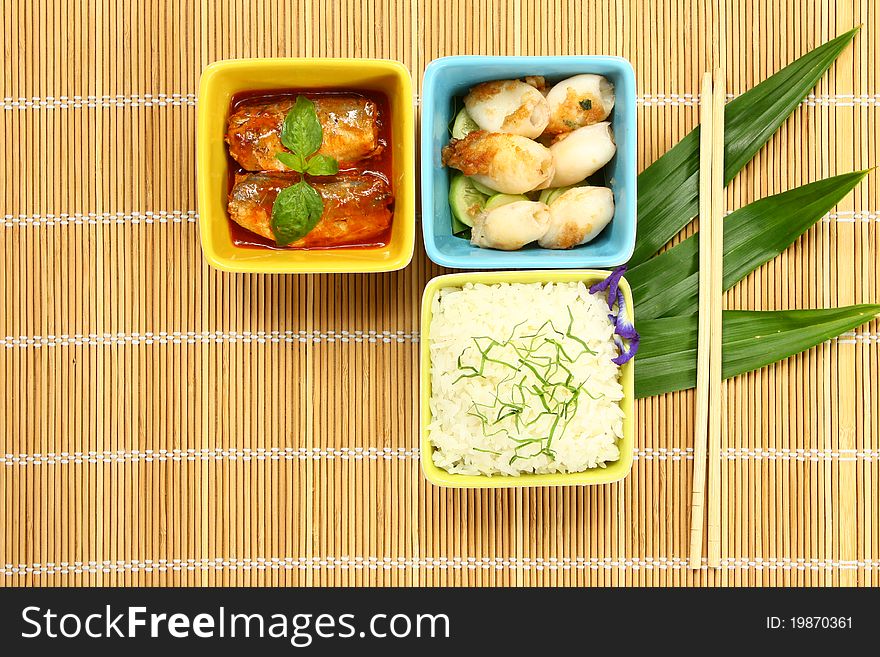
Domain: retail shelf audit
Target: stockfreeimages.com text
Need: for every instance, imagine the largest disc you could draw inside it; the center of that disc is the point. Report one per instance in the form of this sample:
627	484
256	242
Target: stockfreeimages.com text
300	629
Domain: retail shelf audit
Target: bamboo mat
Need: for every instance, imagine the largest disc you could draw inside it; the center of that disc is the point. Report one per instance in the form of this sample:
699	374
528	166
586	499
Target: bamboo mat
168	424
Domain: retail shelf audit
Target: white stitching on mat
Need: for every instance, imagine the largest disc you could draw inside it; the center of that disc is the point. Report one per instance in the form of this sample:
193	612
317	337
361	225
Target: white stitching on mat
397	453
80	102
192	217
785	454
267	337
429	563
852	217
101	218
135	101
215	454
812	100
761	454
862	337
205	337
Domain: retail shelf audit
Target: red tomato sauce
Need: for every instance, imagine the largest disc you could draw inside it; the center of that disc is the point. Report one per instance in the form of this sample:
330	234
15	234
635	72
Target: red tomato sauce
380	165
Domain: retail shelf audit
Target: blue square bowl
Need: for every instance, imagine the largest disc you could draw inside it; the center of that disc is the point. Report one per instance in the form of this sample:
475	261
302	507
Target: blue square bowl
448	77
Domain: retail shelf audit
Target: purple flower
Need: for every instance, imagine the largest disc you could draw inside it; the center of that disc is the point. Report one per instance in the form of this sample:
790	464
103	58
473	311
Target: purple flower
610	283
623	326
625	335
626	353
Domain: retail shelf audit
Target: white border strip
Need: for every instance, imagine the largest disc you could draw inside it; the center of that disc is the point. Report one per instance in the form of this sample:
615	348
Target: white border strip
137	101
192	217
866	338
205	337
246	454
428	563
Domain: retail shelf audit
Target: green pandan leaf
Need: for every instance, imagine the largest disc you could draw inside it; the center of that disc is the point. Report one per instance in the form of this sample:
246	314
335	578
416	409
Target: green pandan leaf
668	189
667	284
667	359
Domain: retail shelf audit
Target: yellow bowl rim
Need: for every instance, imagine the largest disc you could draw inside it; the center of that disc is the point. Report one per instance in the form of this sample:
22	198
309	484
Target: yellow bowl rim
404	211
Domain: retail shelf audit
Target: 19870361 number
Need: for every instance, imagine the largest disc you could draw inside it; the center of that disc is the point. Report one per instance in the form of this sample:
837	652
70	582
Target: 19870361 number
810	623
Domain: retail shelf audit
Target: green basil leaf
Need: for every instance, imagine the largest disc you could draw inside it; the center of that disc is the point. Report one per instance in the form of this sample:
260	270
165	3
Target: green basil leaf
291	160
296	211
322	165
302	132
668	188
751	339
667	284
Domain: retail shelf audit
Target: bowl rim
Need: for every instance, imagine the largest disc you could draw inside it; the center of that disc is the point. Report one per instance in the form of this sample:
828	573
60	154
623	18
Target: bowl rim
594	476
445	59
498	260
401	254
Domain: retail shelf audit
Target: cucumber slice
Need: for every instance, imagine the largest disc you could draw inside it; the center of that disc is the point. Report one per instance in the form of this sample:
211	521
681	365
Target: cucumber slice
464	200
534	195
550	195
503	199
488	191
463	124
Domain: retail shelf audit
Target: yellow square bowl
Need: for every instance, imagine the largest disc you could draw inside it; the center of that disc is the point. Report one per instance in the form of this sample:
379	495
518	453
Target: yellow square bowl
610	473
222	80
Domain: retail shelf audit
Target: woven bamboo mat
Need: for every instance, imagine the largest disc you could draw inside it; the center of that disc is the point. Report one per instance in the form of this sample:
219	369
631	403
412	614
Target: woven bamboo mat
167	424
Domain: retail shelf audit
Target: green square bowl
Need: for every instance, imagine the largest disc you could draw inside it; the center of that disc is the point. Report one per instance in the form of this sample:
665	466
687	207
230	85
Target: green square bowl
612	472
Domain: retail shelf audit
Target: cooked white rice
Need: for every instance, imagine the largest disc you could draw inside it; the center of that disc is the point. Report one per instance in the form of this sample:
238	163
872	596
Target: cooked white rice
530	325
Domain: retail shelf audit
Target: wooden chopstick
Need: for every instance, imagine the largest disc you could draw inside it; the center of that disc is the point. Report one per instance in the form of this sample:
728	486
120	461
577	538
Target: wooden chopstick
716	399
701	423
707	424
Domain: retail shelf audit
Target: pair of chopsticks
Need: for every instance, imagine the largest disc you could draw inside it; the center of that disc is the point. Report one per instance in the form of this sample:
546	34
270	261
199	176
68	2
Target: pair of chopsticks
707	425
